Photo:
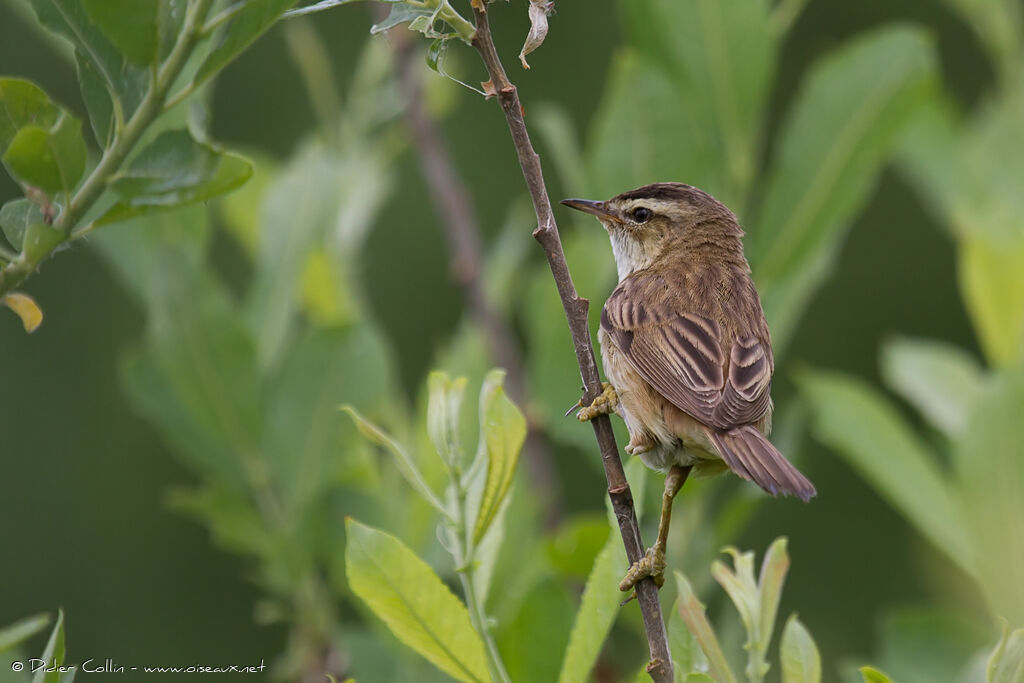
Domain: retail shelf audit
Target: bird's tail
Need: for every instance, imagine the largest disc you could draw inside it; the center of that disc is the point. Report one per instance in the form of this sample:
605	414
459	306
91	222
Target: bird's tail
750	455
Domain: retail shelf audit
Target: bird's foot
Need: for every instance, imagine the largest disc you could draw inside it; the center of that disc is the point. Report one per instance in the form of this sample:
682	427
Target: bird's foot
652	564
607	402
639	444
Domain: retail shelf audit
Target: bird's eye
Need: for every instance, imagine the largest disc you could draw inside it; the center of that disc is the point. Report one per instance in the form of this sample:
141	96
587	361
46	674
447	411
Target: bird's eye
641	214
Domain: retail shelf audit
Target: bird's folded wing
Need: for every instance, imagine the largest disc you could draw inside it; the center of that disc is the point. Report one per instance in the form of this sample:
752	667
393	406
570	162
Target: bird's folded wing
721	382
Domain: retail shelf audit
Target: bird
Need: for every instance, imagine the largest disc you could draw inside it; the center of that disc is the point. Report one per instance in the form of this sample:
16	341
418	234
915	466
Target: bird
686	348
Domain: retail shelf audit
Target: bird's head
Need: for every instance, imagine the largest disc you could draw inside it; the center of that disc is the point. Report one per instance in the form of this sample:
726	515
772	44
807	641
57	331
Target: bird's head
661	219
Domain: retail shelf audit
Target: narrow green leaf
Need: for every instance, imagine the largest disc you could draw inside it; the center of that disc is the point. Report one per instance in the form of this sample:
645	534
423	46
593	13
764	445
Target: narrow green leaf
842	126
16	217
598	608
774	568
502	433
131	25
240	32
406	465
408	596
865	428
798	654
872	675
97	100
444	404
401	13
990	472
53	655
939	379
49	158
721	57
22	630
692	611
599	605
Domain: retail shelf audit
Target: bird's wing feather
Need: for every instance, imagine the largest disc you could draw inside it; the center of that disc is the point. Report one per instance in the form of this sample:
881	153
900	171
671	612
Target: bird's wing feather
720	380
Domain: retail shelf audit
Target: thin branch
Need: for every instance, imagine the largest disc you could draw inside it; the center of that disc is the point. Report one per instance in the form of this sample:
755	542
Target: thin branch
461	225
660	666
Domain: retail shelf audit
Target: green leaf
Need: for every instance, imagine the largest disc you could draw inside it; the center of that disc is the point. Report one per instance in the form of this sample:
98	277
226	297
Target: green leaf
692	612
49	158
401	13
406	465
599	605
125	83
865	428
872	675
686	654
774	568
22	630
698	678
23	103
845	119
174	170
798	654
131	25
240	32
196	377
1006	665
306	435
720	55
990	470
408	596
53	654
16	217
939	379
502	433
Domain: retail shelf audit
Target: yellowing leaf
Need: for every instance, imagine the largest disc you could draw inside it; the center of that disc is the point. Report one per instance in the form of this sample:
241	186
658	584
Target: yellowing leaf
502	432
992	282
416	605
26	308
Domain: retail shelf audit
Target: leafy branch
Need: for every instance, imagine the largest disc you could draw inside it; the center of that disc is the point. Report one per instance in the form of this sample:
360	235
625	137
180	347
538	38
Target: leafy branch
128	68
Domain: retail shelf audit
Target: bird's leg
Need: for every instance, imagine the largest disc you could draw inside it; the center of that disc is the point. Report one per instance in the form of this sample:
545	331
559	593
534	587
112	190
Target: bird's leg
606	403
653	562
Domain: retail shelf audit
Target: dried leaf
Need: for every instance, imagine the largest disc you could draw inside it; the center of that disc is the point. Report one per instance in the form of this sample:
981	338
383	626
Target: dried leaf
489	89
539	11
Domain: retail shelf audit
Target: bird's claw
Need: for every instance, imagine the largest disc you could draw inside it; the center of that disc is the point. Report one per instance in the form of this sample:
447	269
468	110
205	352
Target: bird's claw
606	402
652	564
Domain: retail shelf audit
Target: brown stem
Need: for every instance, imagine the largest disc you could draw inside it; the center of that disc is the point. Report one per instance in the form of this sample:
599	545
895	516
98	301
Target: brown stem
660	667
458	218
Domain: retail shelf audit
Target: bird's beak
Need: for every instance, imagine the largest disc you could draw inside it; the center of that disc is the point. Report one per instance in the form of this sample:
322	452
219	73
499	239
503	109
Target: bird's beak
599	209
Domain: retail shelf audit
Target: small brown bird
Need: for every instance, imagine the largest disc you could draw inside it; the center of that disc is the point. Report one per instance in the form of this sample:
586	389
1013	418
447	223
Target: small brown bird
686	348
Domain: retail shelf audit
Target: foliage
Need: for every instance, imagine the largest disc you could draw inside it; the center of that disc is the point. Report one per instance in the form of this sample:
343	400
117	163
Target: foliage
137	62
966	466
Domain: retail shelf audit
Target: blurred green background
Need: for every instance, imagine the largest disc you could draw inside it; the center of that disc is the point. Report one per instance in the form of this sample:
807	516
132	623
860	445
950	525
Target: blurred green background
84	478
